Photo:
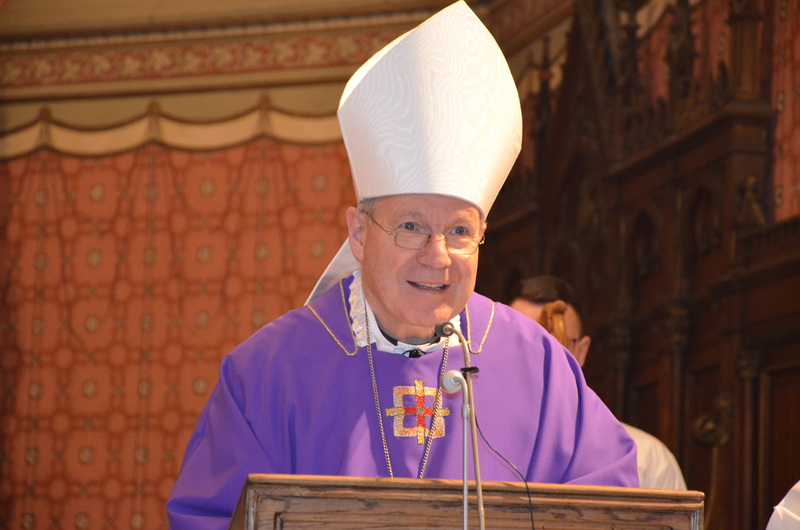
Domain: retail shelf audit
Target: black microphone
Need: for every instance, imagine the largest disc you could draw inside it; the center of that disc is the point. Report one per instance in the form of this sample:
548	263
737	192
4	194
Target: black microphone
445	329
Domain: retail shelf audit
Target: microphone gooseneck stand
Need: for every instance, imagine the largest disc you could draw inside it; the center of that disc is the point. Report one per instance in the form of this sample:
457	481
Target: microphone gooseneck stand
453	381
464	379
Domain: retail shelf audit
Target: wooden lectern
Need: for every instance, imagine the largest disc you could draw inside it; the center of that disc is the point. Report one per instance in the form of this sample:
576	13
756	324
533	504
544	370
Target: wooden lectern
303	501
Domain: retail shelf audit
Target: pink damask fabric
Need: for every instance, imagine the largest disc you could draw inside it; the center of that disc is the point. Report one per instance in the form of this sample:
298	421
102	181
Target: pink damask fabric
125	279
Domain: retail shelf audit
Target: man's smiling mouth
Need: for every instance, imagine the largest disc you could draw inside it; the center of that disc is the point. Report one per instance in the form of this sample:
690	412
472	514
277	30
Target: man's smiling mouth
430	286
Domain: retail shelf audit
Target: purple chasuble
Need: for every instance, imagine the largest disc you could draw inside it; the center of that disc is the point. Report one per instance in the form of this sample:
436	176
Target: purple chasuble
290	400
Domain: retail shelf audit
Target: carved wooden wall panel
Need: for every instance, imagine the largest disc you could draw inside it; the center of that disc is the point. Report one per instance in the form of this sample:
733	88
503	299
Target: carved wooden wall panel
658	212
708	454
779	427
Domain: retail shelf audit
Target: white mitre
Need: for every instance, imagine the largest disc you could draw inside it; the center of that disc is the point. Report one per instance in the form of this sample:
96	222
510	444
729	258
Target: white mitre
435	111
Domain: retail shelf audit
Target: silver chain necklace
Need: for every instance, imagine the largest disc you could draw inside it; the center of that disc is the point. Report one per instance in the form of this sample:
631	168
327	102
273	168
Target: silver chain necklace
436	406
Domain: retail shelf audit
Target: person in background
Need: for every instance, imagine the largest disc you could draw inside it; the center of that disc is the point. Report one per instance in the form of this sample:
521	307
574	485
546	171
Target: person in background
553	303
786	514
349	384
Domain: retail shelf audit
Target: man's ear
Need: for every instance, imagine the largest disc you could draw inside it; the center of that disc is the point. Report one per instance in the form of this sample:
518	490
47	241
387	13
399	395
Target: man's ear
582	349
356	225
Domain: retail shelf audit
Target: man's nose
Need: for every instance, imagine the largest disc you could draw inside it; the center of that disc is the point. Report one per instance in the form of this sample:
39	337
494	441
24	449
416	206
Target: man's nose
435	253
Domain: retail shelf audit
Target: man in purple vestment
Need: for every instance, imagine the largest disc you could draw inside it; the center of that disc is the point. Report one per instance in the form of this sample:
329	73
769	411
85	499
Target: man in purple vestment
349	383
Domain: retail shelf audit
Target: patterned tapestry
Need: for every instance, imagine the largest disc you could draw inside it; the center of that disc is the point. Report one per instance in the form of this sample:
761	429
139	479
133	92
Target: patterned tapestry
133	260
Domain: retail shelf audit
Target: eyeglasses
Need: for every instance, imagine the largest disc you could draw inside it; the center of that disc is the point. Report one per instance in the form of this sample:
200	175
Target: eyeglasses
461	245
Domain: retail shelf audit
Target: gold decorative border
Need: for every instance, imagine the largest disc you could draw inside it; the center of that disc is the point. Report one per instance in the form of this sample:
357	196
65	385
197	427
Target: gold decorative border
245	56
233	63
248	56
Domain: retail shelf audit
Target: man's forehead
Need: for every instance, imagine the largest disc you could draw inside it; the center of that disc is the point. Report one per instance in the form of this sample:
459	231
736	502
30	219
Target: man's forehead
420	203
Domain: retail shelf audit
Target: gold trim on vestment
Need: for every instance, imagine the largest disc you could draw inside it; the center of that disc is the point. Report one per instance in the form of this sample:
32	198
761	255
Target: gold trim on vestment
485	334
353	335
349	323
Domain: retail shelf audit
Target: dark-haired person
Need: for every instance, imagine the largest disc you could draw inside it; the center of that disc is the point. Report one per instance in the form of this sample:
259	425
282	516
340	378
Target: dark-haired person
536	298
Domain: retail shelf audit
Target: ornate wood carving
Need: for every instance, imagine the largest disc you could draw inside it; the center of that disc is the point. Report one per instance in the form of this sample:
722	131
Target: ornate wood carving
681	53
654	210
744	20
714	430
675	326
704	225
747	364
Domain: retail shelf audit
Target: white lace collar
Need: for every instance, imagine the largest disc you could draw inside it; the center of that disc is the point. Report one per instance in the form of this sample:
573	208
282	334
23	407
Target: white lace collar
357	312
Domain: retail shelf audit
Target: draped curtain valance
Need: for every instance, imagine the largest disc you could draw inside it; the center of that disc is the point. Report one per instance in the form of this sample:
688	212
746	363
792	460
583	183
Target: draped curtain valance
170	132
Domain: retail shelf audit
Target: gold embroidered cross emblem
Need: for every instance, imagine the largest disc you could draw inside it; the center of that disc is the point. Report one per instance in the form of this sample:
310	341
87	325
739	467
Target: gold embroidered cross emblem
418	410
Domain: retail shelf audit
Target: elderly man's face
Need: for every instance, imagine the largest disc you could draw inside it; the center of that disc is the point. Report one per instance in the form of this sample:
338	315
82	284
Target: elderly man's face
411	291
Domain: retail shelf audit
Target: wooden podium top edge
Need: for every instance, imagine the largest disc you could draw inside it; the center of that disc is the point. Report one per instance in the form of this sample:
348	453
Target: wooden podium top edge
538	489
